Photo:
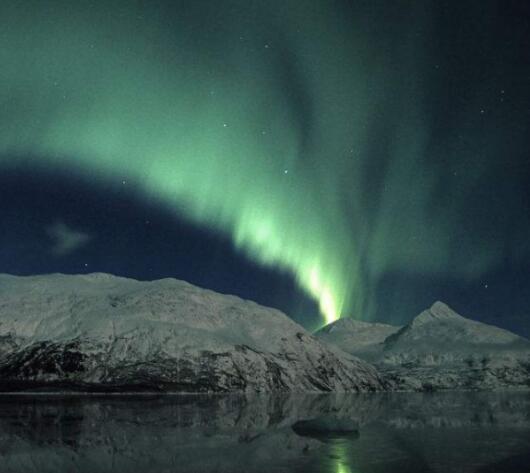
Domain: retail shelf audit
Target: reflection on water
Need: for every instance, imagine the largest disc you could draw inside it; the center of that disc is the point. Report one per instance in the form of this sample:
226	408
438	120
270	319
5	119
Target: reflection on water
450	432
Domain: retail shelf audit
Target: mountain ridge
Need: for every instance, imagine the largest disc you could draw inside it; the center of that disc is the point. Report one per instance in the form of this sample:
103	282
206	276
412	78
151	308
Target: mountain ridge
439	349
101	332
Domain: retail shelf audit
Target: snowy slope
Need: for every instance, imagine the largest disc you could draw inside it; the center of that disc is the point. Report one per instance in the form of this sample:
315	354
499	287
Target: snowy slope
441	332
99	331
359	338
439	349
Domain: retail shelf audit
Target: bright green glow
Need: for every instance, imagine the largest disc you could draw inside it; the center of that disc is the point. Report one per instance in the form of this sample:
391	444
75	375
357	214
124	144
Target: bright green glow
205	105
212	135
340	453
343	468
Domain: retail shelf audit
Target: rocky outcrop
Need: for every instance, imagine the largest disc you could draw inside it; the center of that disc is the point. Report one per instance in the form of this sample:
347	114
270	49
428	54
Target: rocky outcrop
98	332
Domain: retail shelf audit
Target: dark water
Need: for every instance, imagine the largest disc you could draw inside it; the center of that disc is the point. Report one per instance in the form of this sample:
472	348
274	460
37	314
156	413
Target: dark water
464	432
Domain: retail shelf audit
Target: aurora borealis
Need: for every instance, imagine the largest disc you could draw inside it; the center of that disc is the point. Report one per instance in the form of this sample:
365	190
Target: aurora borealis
341	142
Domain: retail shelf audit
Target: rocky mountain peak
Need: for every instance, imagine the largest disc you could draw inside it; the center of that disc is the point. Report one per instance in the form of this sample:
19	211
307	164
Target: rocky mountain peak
438	312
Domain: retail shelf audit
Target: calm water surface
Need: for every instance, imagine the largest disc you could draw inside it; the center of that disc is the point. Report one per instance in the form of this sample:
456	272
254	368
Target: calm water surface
464	432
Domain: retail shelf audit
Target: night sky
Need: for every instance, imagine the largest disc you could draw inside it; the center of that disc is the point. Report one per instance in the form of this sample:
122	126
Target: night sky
328	158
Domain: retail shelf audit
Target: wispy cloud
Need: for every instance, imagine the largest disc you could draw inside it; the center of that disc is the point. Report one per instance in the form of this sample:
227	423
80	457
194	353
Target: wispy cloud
66	239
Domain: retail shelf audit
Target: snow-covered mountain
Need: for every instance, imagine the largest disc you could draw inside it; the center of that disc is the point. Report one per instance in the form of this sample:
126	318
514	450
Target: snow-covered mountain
101	332
441	331
439	349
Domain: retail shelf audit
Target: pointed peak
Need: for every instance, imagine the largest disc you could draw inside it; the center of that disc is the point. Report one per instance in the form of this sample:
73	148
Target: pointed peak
439	311
344	322
349	324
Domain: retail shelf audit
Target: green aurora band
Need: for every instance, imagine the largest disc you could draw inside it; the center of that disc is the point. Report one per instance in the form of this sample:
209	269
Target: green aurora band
255	119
